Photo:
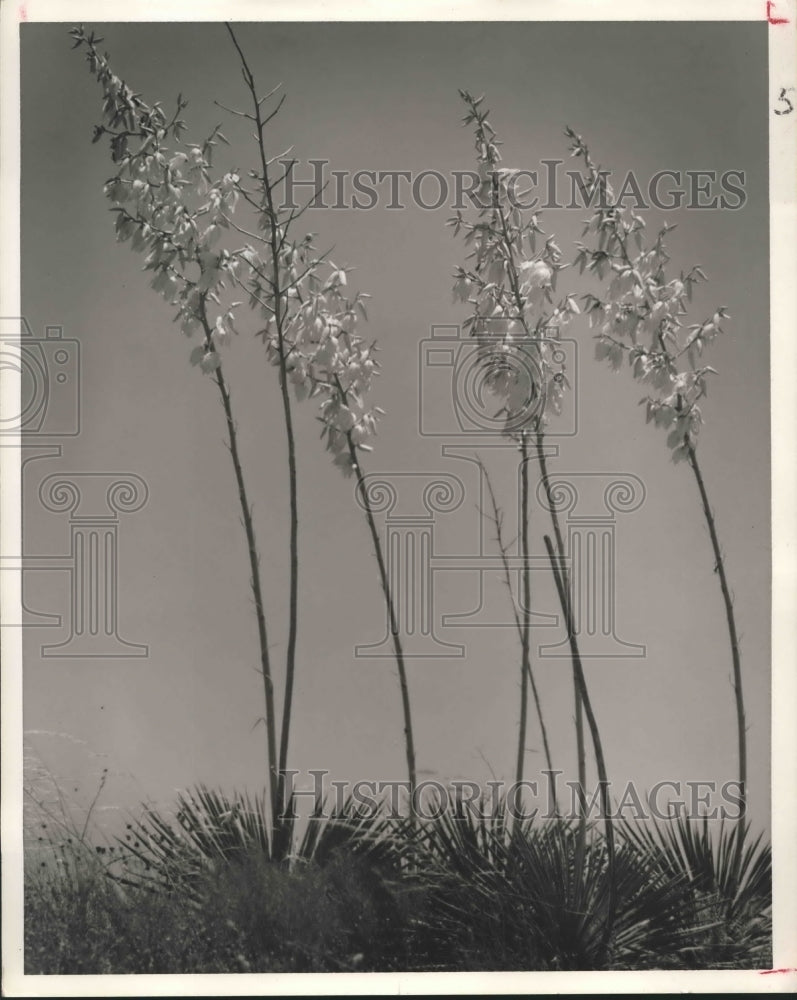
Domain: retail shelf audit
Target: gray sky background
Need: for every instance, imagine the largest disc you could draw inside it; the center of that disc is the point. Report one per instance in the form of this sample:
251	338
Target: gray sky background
384	96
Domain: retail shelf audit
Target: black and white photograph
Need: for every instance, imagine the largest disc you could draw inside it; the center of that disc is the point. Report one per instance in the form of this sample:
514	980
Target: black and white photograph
398	495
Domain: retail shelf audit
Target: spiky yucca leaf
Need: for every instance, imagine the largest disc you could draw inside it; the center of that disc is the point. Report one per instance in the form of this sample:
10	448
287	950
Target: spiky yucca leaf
462	839
354	827
210	829
729	873
516	898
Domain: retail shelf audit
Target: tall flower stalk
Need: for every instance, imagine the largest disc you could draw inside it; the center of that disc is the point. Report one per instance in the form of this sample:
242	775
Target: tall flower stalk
641	320
311	336
330	361
506	286
274	294
326	359
168	207
509	288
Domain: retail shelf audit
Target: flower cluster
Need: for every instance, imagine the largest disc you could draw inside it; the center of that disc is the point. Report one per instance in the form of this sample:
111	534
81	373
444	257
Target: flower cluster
328	358
310	328
510	285
642	316
167	205
324	355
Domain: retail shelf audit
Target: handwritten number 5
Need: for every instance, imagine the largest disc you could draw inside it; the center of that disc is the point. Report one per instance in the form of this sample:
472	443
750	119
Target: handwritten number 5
782	97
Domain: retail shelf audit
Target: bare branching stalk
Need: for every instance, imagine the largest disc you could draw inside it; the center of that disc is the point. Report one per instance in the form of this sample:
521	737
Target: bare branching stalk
275	241
497	518
409	739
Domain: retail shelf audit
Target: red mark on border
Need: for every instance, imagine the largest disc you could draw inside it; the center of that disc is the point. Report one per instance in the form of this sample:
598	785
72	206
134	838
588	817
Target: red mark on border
23	12
774	20
775	972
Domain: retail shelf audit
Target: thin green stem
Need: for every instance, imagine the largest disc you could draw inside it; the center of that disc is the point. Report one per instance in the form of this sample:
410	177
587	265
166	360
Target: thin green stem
558	571
502	549
578	702
254	567
257	593
276	241
525	614
409	740
719	566
617	232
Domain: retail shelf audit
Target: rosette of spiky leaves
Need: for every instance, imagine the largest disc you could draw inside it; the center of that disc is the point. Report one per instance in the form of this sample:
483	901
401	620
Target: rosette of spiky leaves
729	875
209	829
642	316
509	285
518	899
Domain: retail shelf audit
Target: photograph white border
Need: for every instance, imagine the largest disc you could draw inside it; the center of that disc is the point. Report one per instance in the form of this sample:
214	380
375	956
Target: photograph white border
783	287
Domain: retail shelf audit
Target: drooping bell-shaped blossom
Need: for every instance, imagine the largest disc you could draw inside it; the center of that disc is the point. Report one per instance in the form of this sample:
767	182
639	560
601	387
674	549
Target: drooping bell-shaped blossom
509	284
641	317
167	204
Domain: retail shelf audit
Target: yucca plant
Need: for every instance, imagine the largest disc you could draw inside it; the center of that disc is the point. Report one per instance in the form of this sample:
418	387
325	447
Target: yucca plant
518	898
460	857
311	335
729	874
509	287
210	829
168	205
568	908
641	317
349	864
206	892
